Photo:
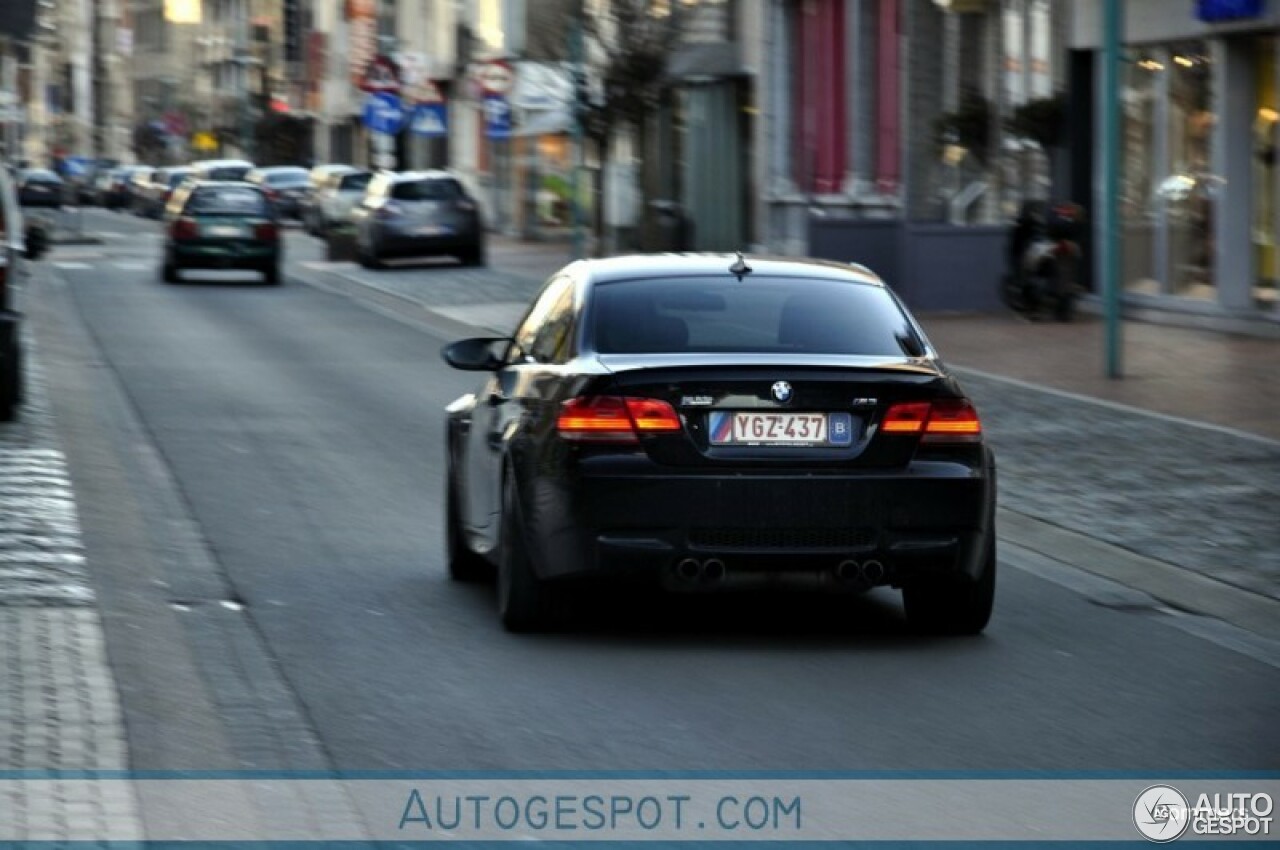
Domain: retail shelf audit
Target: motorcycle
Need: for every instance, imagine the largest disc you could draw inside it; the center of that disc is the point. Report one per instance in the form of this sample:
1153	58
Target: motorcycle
1044	261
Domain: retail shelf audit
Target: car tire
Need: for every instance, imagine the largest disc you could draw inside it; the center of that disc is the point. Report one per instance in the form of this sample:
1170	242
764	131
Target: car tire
464	565
11	386
271	275
953	606
169	273
475	256
525	602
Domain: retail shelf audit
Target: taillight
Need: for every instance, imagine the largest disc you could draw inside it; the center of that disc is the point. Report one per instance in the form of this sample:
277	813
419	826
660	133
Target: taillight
613	419
184	228
905	418
465	204
953	420
942	421
266	232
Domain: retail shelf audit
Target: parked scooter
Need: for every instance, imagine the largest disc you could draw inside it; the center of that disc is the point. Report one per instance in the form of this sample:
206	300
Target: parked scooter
1044	258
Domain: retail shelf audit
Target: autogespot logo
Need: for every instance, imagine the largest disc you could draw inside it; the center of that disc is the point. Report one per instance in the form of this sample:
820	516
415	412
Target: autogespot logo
1161	813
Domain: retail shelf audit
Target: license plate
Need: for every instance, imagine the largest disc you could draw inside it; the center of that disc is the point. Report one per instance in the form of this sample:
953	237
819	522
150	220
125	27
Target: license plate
434	230
751	428
224	231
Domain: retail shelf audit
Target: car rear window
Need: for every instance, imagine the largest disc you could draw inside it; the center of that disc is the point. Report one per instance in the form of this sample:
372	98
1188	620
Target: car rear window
355	182
227	200
287	178
229	172
427	190
756	315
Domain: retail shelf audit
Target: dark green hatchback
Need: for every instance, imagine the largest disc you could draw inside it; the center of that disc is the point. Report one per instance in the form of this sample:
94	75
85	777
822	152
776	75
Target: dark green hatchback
221	225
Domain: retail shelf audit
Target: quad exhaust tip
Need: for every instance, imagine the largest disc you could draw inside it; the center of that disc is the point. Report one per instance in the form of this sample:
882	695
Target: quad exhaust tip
849	571
867	573
689	570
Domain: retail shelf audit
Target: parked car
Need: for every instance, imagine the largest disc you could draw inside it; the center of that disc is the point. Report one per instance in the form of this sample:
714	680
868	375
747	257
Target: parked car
317	179
418	213
222	169
221	225
13	247
101	187
115	194
161	187
40	187
708	423
136	188
285	185
335	199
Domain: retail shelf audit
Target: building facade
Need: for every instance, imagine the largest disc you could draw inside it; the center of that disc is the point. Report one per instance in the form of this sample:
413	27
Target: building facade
900	109
1200	111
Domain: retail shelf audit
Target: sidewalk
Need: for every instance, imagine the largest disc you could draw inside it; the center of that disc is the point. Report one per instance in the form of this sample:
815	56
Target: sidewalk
59	707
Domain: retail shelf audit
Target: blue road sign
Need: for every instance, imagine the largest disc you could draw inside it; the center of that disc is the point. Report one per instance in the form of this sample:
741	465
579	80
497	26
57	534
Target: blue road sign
75	166
430	119
497	117
383	113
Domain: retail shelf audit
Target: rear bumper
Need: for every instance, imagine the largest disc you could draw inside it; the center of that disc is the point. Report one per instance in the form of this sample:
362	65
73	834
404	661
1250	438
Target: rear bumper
412	245
932	519
217	257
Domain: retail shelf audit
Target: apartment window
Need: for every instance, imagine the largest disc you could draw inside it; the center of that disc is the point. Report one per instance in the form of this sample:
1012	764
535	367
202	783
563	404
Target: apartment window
818	45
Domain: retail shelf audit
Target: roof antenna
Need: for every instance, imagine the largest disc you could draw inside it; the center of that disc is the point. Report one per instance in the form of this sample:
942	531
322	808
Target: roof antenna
740	267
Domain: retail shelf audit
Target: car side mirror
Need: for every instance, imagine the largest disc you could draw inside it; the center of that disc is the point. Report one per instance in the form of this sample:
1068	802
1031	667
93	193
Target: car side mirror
478	354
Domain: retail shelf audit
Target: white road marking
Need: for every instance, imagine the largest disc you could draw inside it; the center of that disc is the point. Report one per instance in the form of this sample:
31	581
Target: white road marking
65	266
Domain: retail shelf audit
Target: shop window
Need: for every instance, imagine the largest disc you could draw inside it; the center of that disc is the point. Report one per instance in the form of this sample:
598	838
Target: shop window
1266	175
1141	169
1190	213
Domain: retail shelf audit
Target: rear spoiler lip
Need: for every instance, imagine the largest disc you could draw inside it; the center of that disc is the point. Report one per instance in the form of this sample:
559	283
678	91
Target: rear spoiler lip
618	363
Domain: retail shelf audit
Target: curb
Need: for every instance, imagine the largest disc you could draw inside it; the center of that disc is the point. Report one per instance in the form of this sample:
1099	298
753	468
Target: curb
1175	586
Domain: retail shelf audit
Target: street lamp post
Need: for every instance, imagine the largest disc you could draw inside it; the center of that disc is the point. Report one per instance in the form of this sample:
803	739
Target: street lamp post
1112	24
577	59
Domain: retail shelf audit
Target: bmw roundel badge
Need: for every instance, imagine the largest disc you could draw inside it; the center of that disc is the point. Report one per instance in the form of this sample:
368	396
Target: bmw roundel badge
781	391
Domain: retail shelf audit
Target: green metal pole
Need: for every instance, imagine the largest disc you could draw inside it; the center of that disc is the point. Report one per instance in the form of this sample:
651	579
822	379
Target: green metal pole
1112	27
575	56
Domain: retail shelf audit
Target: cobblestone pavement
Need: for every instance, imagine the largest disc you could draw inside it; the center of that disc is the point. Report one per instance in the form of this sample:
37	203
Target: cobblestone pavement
59	707
1200	499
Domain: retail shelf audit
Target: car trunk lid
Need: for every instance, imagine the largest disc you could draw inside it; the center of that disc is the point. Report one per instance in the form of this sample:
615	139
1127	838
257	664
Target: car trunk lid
802	410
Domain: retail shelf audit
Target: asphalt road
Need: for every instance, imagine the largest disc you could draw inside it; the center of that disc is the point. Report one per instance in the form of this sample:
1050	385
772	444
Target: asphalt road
300	434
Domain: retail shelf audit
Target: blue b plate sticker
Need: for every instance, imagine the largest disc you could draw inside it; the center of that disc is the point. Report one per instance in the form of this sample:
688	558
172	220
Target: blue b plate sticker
840	429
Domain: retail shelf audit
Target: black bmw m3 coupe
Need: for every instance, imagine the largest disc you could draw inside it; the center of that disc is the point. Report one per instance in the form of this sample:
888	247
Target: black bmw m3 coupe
711	423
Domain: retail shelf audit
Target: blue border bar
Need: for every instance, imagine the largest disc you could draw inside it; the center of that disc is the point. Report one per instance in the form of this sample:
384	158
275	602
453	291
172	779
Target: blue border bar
790	775
616	845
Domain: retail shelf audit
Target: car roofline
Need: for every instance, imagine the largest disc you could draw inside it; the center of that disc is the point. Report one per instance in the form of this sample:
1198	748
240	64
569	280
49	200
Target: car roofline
648	266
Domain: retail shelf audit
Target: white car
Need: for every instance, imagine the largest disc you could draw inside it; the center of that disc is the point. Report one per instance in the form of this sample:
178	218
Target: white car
336	197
